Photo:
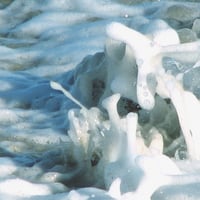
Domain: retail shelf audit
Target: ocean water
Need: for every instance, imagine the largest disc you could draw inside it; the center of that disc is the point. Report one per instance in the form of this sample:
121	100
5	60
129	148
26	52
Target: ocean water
50	147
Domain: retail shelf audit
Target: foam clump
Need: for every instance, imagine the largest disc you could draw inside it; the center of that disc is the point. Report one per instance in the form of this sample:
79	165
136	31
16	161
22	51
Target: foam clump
160	32
164	80
7	167
111	163
22	188
142	145
143	58
108	142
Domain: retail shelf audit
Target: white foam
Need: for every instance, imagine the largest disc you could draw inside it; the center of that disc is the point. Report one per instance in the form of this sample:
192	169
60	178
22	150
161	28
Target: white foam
21	188
47	138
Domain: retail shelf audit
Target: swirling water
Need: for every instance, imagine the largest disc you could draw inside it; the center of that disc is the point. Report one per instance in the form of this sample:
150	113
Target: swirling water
43	41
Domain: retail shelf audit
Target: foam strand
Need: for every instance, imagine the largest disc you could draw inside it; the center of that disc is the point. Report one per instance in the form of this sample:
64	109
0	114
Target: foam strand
186	52
136	40
192	106
115	137
177	97
132	119
156	145
144	50
57	86
75	129
114	189
110	104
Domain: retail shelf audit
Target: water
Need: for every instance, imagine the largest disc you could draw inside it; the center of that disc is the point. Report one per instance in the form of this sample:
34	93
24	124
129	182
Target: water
46	152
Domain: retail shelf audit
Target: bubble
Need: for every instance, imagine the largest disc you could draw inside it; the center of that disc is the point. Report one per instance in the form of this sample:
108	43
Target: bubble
126	15
93	196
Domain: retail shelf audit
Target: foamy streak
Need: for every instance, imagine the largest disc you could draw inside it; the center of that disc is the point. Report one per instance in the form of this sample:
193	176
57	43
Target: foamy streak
57	86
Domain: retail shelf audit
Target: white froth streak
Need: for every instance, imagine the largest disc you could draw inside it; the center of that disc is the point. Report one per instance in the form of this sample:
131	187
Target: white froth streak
132	120
188	110
144	50
21	188
110	104
186	52
57	86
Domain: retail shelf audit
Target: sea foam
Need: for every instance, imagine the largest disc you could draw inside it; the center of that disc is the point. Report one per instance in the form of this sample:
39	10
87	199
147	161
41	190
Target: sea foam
99	99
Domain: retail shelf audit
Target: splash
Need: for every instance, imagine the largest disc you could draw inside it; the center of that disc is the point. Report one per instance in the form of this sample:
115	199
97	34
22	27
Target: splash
99	99
124	156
